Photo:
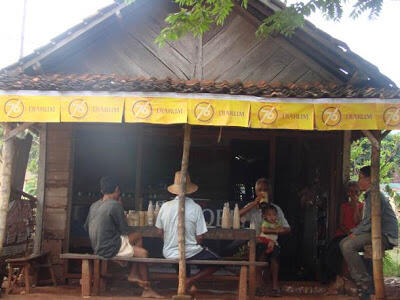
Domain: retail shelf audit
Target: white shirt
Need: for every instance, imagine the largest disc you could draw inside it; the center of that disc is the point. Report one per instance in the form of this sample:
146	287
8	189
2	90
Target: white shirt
195	225
255	215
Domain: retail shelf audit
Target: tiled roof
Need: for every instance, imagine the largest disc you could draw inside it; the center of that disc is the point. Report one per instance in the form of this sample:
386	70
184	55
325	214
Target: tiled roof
114	83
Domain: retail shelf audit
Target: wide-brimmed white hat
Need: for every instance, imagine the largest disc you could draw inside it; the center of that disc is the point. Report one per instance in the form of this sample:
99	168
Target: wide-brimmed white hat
175	188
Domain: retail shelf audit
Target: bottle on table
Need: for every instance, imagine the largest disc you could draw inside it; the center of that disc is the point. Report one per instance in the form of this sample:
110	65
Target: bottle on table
150	214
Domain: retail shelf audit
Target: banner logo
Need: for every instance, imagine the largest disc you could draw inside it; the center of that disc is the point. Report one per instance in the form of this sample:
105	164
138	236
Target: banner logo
14	108
267	114
204	111
391	116
331	116
78	108
142	109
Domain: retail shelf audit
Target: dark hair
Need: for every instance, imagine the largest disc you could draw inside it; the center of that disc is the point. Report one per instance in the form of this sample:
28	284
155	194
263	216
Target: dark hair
268	206
265	181
108	185
350	184
366	171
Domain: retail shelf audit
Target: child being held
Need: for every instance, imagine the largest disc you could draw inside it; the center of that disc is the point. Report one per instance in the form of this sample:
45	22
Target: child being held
270	222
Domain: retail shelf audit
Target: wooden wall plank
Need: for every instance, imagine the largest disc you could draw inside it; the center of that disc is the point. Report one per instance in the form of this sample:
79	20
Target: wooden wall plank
292	72
272	66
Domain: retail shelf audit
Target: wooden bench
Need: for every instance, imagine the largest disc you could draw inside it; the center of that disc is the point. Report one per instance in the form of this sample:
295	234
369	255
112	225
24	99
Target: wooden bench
99	275
24	266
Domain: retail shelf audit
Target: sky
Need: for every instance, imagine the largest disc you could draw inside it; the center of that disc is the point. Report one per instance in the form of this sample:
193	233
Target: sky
375	40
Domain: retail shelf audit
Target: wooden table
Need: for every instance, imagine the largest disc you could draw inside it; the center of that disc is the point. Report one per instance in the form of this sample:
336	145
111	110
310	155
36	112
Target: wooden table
221	234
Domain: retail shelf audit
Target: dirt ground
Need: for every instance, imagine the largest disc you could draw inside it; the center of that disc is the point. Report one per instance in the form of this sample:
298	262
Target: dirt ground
213	291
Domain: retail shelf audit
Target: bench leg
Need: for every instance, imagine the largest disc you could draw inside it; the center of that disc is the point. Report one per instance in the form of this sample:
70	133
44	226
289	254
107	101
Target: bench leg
252	270
103	272
86	278
10	279
243	283
27	267
96	277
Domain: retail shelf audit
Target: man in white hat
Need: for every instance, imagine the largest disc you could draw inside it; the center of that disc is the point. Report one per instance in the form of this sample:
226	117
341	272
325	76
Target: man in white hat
195	227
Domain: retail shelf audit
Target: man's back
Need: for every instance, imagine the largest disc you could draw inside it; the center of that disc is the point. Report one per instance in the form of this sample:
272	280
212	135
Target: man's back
106	223
195	225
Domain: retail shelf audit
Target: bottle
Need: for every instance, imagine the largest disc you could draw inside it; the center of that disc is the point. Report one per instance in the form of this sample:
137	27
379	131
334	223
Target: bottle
225	216
150	214
236	217
156	211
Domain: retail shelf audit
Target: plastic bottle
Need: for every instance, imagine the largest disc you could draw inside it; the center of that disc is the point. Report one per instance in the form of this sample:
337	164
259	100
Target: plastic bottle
225	216
150	214
156	211
236	217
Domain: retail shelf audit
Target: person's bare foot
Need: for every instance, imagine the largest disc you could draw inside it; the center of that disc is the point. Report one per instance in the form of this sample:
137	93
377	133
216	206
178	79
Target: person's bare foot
150	293
140	282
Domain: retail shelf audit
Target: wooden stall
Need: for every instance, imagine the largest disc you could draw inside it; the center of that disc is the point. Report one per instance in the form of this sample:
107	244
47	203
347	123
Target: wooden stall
304	84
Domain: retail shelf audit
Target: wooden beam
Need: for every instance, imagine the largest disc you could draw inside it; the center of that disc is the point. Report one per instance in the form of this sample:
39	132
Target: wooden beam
139	167
17	130
346	156
372	139
5	181
385	133
41	184
376	227
198	65
181	212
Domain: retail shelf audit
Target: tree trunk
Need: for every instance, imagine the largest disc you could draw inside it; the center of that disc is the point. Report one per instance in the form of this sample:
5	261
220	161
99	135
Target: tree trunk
5	181
376	230
181	215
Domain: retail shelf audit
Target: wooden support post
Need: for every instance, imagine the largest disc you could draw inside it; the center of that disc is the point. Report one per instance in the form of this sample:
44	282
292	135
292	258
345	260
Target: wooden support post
37	243
181	213
5	181
27	280
252	269
103	273
15	131
139	167
96	277
242	293
376	226
86	280
346	156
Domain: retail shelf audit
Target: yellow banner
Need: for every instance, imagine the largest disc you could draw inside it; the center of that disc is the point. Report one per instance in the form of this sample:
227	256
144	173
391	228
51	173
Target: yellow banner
29	109
282	115
388	116
218	112
155	110
346	116
92	109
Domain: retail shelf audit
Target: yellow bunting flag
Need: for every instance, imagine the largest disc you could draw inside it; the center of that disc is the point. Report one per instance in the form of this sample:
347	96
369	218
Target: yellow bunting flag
29	109
388	116
155	110
219	112
345	116
282	115
92	109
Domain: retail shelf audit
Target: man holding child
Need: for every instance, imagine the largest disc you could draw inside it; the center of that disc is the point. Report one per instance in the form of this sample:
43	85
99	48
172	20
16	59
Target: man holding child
258	212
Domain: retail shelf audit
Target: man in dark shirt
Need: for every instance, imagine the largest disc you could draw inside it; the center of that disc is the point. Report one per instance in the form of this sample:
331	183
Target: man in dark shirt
111	236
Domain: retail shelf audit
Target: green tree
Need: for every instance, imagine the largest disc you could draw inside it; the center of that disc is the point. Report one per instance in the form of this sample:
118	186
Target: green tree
197	16
390	157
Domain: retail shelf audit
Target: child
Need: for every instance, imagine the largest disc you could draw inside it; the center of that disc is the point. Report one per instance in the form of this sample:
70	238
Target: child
270	221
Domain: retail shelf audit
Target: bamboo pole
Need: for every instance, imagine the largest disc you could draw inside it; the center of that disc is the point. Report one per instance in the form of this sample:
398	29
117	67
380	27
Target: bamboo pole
376	228
5	181
181	212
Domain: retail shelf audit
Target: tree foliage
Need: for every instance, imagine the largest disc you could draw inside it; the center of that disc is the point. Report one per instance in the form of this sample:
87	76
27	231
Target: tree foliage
198	16
390	157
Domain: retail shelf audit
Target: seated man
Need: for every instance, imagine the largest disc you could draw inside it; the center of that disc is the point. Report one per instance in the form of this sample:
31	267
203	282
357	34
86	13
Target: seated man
253	213
361	235
195	227
110	235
